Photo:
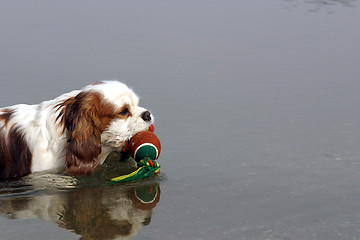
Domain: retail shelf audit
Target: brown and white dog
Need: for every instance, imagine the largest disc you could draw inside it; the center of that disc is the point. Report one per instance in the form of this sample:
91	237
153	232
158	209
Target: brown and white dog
76	130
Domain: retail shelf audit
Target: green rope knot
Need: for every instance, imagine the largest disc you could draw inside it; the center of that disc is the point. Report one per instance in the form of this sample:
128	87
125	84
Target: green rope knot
148	163
146	168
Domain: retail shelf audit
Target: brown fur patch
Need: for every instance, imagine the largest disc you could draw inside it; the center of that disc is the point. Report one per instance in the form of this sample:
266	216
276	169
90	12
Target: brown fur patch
62	106
15	155
5	116
85	117
97	83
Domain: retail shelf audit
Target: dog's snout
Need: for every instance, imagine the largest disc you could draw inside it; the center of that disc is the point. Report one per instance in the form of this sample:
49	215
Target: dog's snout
146	116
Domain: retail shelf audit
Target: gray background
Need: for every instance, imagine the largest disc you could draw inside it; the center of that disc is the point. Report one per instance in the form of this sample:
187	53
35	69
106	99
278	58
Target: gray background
256	106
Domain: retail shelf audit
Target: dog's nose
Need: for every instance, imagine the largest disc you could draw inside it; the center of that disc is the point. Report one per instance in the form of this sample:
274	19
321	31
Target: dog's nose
146	116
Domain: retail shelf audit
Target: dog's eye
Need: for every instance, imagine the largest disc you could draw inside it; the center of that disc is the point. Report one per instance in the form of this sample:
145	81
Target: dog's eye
124	111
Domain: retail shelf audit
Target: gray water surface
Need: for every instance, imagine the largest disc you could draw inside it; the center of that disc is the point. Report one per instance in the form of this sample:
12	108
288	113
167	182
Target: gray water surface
256	104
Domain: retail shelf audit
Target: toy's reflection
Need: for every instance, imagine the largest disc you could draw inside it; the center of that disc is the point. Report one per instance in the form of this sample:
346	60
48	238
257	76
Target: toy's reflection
111	212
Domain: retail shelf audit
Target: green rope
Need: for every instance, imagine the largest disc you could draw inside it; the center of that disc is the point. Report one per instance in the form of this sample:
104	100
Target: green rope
146	168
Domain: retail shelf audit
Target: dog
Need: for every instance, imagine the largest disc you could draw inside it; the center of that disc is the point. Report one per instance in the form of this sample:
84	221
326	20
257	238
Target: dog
76	130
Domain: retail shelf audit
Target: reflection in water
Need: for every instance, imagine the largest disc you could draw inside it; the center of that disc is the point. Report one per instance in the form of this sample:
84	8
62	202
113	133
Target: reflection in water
106	212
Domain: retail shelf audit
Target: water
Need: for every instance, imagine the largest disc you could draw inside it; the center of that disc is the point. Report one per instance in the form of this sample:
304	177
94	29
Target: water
255	105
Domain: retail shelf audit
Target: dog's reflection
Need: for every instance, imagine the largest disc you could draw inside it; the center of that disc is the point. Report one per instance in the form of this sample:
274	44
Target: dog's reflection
112	212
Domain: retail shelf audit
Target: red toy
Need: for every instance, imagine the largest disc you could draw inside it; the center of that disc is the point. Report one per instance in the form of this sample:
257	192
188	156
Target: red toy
145	148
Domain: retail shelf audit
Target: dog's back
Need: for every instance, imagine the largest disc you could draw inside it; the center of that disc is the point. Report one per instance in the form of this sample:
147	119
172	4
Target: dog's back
30	139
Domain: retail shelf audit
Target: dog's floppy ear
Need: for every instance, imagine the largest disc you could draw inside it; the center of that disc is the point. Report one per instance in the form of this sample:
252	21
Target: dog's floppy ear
83	145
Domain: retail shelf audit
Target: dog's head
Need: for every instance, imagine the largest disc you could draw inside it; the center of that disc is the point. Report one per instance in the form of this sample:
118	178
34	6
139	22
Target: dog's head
103	115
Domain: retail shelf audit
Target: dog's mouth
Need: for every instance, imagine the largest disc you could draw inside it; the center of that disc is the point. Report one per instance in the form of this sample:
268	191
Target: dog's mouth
151	128
121	142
